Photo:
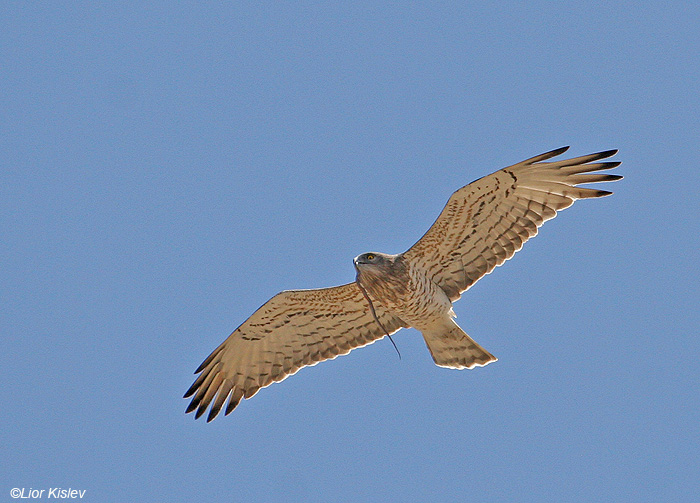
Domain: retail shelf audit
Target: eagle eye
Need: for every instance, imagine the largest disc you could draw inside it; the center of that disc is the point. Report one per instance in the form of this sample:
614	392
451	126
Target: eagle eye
370	256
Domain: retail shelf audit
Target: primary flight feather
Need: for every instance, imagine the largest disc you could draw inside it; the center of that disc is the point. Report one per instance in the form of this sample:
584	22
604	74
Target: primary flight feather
482	226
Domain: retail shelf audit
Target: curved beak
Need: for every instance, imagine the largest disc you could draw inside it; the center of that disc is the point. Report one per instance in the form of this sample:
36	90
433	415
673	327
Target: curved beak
357	263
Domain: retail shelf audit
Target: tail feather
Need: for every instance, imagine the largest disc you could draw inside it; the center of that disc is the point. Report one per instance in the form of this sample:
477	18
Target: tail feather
451	347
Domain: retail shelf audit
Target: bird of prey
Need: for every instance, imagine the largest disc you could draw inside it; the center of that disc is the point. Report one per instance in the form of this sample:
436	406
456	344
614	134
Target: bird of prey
482	226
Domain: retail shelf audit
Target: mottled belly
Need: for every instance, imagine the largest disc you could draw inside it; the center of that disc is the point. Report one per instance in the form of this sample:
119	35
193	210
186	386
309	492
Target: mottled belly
423	305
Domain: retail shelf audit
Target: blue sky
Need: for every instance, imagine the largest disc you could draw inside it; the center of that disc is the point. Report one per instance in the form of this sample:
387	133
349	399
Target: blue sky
168	168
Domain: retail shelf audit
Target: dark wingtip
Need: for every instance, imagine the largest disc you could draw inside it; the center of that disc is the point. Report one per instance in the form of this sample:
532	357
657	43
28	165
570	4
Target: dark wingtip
603	193
193	405
545	156
191	391
556	151
232	404
201	410
604	155
215	409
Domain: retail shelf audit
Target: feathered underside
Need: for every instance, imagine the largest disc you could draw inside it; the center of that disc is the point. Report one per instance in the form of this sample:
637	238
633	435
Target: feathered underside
292	330
487	221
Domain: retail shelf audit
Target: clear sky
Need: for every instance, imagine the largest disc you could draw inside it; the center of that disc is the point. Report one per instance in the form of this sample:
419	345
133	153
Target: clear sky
165	169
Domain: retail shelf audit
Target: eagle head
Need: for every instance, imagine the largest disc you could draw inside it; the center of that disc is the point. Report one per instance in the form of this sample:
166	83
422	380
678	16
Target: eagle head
375	265
372	260
383	276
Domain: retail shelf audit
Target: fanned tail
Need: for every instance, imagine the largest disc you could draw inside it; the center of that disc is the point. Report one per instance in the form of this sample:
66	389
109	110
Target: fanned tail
451	347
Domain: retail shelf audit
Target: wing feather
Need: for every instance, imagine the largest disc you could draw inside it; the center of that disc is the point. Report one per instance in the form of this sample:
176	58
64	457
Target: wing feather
487	221
294	329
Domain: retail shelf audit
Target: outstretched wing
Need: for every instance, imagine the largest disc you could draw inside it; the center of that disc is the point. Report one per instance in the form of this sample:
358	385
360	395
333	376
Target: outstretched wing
487	221
294	329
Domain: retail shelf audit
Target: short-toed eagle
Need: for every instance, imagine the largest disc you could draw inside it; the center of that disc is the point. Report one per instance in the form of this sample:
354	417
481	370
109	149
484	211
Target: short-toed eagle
482	226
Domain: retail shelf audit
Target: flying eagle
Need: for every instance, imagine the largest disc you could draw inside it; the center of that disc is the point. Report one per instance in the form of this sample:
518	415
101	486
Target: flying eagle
482	226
